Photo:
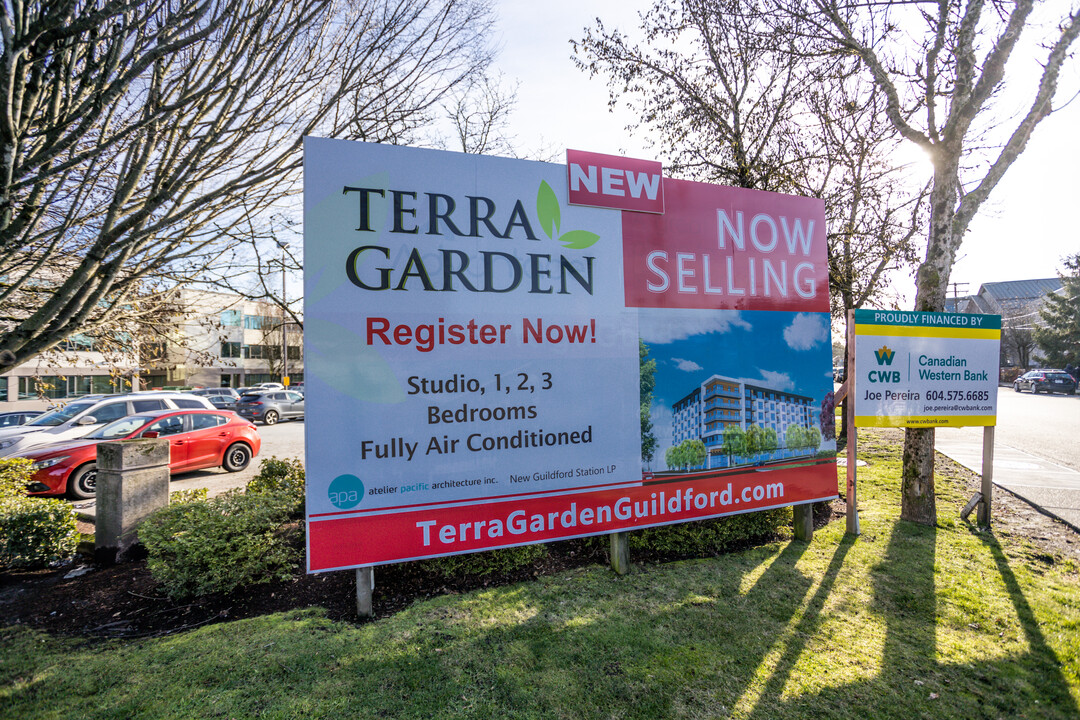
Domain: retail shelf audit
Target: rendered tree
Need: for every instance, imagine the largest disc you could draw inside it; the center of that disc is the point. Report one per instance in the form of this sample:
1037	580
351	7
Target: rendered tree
1059	336
647	382
794	437
675	457
770	442
828	416
939	67
696	453
734	441
755	439
134	134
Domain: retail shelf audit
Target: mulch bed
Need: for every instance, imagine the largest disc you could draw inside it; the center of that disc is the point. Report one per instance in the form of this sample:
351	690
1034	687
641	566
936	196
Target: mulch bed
124	601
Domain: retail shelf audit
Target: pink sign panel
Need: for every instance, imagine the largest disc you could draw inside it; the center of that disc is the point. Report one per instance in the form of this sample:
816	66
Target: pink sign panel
721	247
609	181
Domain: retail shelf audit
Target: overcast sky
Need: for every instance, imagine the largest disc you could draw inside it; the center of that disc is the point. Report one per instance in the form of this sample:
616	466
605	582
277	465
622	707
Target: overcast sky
1021	233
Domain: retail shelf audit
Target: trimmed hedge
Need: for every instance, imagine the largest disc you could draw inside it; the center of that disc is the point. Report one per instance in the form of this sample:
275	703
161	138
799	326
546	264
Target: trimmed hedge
33	531
505	560
708	537
200	547
281	477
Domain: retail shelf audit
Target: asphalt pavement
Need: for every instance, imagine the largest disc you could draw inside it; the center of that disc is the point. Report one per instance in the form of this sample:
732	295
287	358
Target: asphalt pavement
1036	451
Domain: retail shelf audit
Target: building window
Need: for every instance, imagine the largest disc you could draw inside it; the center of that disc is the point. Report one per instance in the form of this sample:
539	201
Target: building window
78	385
48	386
259	322
230	350
232	318
153	351
77	343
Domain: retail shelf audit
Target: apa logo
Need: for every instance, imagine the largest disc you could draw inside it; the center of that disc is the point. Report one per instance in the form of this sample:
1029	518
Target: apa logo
547	207
884	355
346	492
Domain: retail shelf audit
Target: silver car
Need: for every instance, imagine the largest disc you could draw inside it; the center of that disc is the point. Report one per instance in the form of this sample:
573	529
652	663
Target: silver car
81	417
269	406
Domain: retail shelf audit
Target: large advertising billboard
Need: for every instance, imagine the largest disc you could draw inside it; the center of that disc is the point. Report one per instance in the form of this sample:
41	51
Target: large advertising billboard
489	365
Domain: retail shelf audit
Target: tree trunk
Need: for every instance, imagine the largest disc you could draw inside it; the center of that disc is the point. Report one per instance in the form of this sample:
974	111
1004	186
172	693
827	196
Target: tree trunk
918	503
932	280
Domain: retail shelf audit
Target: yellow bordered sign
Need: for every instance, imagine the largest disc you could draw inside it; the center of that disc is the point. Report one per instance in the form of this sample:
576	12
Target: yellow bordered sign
921	369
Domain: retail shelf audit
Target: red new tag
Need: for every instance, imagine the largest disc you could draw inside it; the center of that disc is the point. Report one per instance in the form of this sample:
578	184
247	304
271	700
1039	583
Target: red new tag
615	182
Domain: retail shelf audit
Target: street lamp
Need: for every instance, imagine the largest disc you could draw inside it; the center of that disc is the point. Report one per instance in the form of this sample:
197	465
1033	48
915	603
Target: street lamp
284	305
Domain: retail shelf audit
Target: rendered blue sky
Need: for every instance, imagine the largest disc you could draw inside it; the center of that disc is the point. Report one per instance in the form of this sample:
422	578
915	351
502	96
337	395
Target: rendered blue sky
784	350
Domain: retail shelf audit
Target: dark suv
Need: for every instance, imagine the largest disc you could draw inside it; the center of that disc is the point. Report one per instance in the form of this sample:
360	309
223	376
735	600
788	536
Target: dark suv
1049	381
269	406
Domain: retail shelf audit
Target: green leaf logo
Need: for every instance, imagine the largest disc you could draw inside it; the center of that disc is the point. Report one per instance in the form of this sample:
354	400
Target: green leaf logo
579	239
547	208
550	214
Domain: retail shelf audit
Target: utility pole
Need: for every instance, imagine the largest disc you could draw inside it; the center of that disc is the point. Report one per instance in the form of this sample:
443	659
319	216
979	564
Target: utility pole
284	305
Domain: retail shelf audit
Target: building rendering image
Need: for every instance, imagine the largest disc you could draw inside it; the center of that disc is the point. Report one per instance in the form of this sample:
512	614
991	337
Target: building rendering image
721	403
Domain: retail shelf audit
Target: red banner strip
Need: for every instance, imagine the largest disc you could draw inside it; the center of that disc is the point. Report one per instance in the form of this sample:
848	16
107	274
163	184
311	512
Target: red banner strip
339	543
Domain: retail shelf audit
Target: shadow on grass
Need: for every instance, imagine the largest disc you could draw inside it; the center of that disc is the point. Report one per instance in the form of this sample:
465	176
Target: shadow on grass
912	681
722	654
584	645
807	627
1050	684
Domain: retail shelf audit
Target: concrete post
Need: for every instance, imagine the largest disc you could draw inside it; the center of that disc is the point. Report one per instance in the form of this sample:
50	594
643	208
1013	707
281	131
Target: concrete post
132	482
365	584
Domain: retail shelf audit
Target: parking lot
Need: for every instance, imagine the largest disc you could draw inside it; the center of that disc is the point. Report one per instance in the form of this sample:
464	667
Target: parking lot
284	440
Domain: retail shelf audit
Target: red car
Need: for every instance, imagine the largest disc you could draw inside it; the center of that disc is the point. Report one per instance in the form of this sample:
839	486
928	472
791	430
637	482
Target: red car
197	439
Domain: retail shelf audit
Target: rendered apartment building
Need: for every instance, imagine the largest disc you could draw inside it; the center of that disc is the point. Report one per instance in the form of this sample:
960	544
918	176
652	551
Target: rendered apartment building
721	402
212	339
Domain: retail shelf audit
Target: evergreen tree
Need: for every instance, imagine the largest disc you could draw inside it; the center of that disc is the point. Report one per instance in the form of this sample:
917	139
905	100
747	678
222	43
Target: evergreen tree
1059	337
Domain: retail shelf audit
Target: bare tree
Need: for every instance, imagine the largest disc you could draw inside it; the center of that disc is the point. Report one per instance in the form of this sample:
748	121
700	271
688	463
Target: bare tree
133	134
1018	337
480	114
874	206
940	66
717	84
739	96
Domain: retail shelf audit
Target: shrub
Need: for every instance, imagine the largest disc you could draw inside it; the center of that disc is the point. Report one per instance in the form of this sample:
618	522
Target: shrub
14	477
36	531
708	537
33	531
217	545
504	560
182	496
284	478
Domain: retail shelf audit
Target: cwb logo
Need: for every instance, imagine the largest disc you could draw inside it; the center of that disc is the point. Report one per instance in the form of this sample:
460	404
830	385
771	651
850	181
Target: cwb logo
884	357
346	492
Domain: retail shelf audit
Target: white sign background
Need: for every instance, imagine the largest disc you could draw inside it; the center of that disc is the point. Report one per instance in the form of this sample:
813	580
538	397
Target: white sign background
362	395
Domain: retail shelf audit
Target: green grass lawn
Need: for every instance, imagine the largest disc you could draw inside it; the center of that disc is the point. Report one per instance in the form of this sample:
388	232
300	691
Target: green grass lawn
903	622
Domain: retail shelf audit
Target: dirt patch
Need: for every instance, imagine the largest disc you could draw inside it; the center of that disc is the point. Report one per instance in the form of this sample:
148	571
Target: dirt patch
82	599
